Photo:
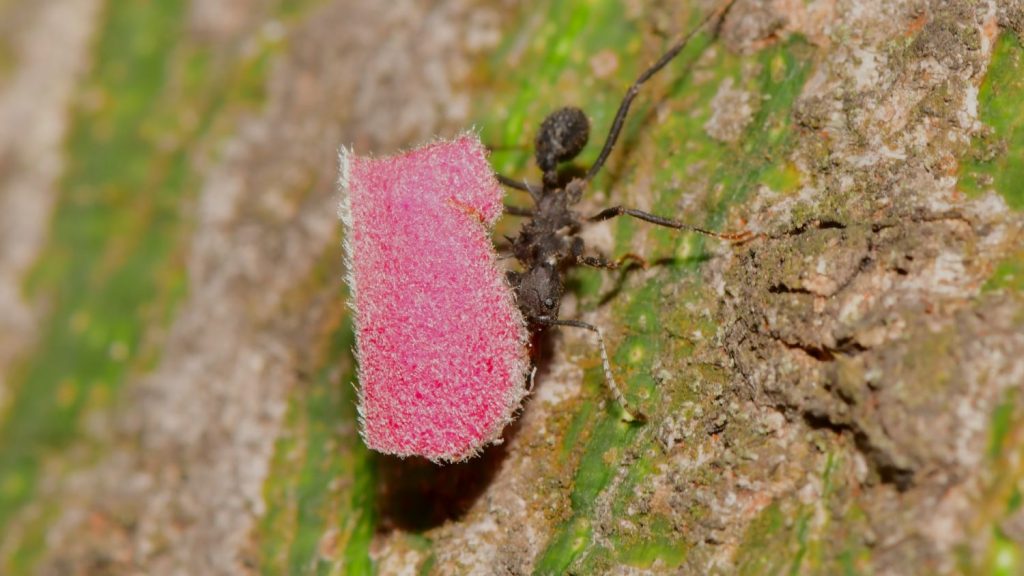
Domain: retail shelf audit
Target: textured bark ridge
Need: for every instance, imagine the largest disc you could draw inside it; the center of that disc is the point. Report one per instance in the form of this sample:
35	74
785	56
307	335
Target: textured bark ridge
840	394
864	308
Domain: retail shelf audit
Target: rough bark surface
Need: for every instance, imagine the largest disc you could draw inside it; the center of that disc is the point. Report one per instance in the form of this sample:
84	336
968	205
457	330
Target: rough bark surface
840	393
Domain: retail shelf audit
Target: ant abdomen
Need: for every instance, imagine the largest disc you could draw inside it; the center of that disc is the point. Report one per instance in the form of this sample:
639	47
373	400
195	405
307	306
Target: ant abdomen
562	136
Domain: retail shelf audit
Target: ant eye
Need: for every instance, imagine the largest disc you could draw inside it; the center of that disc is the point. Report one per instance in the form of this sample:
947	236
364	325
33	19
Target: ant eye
549	302
562	136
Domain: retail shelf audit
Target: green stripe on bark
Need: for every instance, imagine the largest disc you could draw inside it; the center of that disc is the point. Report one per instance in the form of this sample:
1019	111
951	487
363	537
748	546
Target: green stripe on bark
104	274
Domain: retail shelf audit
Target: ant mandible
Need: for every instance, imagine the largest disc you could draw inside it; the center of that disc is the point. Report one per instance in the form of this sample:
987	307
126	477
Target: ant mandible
548	244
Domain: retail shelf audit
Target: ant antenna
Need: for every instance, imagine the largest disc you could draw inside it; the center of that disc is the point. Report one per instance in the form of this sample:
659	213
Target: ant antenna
629	414
627	100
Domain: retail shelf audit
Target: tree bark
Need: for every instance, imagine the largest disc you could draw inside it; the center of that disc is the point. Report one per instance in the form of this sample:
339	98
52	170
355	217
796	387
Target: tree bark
841	392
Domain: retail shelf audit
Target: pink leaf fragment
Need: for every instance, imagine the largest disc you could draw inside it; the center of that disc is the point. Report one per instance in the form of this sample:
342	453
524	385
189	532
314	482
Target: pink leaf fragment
441	344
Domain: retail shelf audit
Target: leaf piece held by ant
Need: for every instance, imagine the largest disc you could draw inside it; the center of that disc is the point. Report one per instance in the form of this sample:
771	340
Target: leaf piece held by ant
441	344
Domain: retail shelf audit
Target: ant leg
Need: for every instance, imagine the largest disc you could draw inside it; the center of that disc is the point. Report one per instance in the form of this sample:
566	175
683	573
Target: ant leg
518	211
525	186
602	262
609	213
629	415
576	251
627	100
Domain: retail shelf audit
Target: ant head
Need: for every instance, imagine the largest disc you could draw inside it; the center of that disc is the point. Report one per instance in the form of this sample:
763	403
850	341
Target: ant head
562	136
540	291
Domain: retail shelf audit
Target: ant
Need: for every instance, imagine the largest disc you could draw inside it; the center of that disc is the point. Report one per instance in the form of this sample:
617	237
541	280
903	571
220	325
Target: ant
548	244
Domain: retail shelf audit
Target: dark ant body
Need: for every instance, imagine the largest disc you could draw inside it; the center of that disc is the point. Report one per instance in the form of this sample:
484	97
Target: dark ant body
549	243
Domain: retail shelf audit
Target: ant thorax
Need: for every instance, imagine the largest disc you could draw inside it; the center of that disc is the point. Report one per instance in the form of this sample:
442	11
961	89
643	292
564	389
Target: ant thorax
544	250
546	246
